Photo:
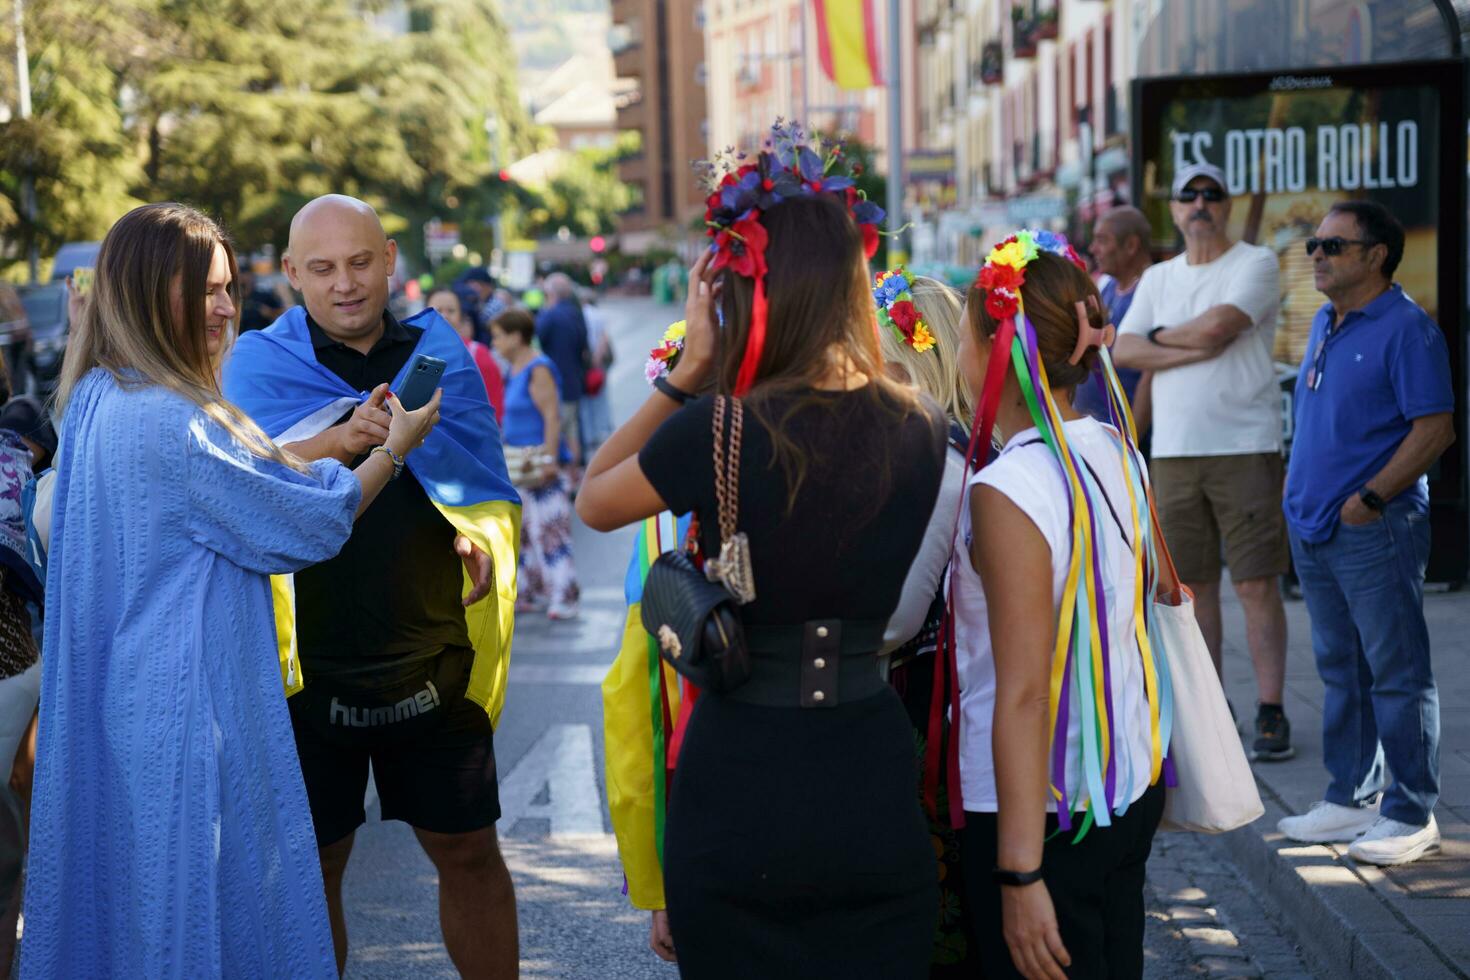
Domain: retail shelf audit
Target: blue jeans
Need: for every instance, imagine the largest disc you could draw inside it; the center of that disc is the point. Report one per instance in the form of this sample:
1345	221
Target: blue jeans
1364	588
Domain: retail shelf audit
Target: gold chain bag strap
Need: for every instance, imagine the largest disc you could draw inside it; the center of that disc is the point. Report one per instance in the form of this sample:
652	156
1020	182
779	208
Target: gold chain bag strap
692	614
732	568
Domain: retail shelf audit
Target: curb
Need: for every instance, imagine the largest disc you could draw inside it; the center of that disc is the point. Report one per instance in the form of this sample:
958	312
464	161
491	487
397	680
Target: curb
1340	918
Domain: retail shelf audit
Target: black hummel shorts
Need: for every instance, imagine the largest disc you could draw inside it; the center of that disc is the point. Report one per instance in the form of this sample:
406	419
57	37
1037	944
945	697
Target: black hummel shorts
443	781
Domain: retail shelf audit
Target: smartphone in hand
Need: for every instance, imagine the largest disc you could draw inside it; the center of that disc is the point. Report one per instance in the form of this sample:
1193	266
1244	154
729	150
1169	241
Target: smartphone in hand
420	381
81	279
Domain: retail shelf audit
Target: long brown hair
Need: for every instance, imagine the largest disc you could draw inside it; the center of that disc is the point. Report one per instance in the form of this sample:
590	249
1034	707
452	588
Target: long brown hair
818	302
1052	289
128	327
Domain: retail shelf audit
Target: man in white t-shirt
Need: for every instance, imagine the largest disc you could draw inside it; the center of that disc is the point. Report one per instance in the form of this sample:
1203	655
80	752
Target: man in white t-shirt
1204	322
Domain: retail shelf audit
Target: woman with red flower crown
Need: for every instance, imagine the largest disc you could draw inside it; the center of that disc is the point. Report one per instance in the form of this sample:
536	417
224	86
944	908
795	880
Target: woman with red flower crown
795	845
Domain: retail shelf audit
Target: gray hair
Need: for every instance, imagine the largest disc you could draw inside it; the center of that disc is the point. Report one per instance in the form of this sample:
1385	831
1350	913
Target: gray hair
559	286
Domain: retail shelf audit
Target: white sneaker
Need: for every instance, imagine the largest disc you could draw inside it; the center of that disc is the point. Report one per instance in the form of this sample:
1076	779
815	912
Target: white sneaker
1329	823
1394	842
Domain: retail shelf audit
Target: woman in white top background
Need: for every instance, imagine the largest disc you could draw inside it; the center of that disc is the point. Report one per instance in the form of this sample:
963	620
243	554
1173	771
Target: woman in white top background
1047	546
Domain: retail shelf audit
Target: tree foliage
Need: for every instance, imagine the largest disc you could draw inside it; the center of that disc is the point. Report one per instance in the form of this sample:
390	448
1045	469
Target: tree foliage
248	108
586	195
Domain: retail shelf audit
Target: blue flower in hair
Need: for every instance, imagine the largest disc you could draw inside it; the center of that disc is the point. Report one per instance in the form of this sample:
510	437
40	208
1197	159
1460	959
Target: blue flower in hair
1051	241
887	291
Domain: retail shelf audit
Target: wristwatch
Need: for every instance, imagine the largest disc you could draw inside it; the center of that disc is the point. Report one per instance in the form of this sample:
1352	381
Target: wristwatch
1371	500
1015	878
1153	335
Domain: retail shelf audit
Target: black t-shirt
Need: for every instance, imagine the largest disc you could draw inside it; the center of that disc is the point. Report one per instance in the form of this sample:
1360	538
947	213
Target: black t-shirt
845	547
392	594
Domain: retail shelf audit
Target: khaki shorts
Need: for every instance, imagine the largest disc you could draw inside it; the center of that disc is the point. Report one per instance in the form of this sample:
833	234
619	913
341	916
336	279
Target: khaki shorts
1206	499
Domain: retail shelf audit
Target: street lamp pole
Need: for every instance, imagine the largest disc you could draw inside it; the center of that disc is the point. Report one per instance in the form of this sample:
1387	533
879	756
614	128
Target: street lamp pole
27	180
895	132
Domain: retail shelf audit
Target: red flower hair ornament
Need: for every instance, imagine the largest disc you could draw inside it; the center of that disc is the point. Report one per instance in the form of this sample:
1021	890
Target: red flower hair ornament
740	192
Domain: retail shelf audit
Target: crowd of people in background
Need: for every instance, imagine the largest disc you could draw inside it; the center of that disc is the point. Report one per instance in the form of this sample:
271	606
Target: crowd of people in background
935	738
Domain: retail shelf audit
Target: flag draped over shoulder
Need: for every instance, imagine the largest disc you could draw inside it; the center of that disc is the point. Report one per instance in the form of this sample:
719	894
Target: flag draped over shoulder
640	702
274	377
847	41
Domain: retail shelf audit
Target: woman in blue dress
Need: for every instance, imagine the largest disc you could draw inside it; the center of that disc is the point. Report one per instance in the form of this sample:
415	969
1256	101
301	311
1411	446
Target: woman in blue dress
536	455
172	836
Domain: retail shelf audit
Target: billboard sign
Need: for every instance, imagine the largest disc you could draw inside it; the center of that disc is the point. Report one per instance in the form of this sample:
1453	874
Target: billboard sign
1290	145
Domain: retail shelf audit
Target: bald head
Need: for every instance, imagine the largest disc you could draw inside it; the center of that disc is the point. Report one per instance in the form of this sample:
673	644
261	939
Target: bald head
340	260
329	215
1120	241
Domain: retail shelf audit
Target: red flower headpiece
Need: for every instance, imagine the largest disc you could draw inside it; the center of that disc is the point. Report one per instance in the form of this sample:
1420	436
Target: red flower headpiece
740	192
1004	271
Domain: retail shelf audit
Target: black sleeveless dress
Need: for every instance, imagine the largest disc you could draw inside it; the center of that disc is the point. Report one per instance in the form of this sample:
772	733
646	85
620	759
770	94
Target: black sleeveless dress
796	846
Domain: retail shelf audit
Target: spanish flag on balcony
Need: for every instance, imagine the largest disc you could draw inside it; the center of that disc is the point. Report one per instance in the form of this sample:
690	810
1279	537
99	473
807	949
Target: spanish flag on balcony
847	39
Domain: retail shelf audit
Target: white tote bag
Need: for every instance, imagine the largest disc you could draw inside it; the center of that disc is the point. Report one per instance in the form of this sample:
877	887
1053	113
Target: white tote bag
1216	790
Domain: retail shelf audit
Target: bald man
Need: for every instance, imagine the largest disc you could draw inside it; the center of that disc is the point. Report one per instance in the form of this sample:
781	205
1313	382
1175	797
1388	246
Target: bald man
386	617
1120	241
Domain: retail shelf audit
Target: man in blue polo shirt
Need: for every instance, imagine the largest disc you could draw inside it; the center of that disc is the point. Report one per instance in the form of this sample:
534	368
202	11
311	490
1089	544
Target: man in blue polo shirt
1373	413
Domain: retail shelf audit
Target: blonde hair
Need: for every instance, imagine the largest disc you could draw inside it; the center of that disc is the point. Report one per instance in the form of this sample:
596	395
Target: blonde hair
935	372
128	326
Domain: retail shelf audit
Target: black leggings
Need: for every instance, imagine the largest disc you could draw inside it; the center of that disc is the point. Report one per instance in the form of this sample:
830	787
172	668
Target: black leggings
1096	887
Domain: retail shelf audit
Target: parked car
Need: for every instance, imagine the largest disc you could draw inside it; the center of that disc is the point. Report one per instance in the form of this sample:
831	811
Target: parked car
15	335
46	308
74	255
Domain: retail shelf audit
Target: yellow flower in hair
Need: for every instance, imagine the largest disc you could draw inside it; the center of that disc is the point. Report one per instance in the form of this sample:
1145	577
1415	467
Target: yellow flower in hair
675	331
1012	254
923	341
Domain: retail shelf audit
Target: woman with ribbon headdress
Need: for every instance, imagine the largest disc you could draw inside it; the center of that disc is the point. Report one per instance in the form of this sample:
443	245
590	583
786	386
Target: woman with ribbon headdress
794	845
1065	705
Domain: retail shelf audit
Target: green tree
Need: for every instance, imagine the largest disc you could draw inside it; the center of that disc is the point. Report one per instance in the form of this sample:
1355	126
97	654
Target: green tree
586	195
248	108
76	145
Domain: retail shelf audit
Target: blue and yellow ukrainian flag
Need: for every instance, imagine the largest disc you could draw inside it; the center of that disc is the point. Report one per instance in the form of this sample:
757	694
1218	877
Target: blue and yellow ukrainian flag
274	377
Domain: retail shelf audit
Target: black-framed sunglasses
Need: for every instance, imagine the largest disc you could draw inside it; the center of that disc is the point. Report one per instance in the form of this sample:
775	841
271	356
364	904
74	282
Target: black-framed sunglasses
1211	194
1334	245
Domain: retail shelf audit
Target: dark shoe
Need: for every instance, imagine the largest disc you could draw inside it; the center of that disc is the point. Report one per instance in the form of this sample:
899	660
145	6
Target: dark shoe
1273	735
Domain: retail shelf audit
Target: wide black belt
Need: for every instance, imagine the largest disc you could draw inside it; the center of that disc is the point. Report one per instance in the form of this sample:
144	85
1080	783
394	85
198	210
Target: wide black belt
817	664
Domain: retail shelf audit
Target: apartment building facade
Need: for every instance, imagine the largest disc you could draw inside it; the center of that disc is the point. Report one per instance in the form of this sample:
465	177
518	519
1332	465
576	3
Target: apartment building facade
660	44
1030	97
764	63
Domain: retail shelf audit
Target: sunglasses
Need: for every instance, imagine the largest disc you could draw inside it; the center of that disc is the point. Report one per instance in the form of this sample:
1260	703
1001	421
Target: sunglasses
1211	194
1332	246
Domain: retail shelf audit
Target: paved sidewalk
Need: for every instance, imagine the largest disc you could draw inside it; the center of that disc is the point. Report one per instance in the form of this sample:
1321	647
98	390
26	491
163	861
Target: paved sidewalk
1205	920
1361	921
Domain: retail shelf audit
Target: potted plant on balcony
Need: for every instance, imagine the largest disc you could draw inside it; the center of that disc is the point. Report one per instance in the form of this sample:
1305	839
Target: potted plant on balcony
992	63
1023	31
1046	24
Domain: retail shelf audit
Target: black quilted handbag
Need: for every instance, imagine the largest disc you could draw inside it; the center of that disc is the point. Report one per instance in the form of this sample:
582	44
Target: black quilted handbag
691	612
695	623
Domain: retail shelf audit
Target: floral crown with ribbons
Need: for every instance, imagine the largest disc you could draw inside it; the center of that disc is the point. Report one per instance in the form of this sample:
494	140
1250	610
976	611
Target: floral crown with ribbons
741	190
893	295
1083	660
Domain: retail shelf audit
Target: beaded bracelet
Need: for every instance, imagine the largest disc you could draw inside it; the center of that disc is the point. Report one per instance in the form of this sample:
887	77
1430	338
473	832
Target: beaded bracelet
397	459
